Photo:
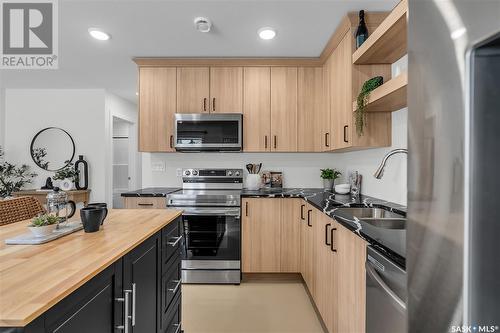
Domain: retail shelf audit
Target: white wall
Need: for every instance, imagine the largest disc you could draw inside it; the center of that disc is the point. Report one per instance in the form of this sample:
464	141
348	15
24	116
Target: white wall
2	117
79	112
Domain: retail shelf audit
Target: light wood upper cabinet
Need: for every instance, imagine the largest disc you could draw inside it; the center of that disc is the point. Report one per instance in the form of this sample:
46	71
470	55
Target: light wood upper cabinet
226	89
193	89
157	105
340	98
256	109
284	109
310	106
290	234
261	230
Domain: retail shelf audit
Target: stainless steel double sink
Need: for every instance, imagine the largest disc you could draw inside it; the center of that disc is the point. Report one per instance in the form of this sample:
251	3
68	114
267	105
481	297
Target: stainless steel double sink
377	217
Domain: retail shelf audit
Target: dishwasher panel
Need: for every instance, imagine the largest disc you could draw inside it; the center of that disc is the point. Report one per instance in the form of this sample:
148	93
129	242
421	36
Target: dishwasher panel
385	295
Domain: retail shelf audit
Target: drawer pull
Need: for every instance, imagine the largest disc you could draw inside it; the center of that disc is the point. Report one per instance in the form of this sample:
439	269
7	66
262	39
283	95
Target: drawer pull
178	327
302	217
332	247
326	234
178	283
145	204
177	240
134	290
309	218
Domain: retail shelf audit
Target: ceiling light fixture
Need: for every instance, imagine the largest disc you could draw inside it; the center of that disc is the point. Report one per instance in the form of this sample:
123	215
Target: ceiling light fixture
99	34
267	33
202	24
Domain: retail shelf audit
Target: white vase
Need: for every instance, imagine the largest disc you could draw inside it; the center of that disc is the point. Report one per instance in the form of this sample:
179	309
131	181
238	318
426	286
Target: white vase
253	182
66	184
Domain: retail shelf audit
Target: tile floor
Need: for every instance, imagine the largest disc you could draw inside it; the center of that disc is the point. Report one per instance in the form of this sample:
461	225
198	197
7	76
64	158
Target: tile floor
252	307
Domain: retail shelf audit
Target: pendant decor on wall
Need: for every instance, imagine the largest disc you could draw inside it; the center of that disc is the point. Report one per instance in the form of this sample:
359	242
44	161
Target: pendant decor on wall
83	180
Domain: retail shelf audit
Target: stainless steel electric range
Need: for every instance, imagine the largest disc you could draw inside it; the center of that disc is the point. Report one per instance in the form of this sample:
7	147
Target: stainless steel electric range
210	199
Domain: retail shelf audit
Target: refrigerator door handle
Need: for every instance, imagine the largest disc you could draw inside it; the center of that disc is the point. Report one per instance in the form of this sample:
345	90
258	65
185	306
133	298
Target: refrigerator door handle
372	273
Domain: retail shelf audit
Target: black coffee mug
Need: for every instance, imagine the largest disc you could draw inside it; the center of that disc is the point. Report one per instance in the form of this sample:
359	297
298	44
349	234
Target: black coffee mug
92	218
100	205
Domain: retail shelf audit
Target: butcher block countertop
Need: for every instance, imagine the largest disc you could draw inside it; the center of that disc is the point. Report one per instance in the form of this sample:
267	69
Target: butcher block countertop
33	278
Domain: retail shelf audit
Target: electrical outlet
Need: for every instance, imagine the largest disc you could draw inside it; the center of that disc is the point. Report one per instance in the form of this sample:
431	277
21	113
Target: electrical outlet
178	172
158	166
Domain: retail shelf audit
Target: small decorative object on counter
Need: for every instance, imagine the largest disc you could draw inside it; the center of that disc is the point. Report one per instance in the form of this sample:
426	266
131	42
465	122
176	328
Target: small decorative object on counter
272	179
43	225
48	184
342	188
355	180
329	176
362	31
362	100
68	176
92	218
82	169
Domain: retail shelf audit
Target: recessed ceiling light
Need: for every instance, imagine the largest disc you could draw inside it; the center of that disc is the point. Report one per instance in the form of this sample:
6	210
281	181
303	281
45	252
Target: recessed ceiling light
99	34
202	24
267	33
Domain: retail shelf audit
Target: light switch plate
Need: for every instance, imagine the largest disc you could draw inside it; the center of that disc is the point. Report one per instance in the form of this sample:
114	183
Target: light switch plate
178	172
158	166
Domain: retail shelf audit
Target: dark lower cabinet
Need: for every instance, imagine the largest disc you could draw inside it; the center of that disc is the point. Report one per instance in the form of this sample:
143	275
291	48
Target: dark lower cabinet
139	293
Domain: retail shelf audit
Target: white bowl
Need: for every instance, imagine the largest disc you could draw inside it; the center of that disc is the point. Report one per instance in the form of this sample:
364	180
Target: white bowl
342	188
43	231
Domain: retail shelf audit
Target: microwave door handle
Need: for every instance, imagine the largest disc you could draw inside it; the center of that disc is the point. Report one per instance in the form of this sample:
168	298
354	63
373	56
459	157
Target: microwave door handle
374	275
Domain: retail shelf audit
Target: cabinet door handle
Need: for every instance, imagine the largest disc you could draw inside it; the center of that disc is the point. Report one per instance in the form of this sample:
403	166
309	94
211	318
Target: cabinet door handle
309	218
177	285
265	141
174	243
126	316
178	327
205	104
133	303
275	142
246	208
345	133
331	241
326	139
213	104
326	234
145	204
302	217
171	141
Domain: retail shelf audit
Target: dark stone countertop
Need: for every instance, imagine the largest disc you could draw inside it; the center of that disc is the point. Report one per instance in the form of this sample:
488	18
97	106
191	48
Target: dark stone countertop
390	241
151	192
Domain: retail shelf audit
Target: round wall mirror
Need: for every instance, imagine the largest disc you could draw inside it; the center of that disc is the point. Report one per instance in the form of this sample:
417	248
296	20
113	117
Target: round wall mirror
52	149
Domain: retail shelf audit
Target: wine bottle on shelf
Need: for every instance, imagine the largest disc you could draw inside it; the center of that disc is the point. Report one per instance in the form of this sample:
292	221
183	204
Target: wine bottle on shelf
362	31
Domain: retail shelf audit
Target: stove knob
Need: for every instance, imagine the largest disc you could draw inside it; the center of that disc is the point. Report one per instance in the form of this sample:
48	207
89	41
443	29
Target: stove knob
237	173
195	172
187	172
229	173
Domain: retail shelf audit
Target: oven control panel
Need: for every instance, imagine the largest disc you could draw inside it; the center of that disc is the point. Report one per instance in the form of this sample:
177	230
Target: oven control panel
223	173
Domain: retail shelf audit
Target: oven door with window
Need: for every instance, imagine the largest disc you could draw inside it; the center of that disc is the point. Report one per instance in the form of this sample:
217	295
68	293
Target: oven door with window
211	233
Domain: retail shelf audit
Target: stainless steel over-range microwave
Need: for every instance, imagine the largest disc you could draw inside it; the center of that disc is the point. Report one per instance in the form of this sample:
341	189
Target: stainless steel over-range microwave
208	131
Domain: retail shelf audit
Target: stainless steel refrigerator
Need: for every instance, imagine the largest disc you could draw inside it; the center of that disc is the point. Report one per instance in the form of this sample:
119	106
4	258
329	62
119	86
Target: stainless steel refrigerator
453	252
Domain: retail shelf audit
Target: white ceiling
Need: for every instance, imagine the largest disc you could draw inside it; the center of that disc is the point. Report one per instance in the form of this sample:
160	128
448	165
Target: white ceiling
165	28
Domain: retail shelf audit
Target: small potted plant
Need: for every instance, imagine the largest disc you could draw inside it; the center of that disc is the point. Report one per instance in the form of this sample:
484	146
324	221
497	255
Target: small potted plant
68	176
329	176
43	225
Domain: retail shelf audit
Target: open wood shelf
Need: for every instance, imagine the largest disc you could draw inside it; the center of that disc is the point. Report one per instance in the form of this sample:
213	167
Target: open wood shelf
391	96
388	42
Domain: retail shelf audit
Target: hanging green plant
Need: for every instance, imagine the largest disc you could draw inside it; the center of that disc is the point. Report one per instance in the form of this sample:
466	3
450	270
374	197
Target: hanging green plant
362	100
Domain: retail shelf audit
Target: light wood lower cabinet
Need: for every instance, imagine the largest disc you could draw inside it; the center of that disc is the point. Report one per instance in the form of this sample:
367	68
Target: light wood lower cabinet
145	202
290	235
261	229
